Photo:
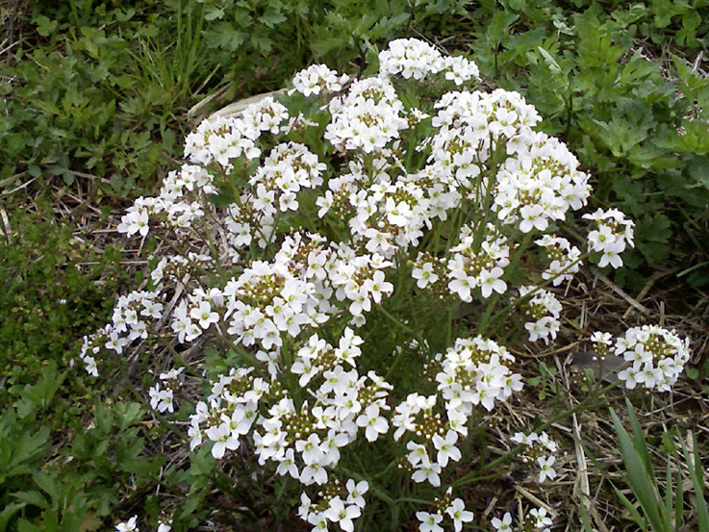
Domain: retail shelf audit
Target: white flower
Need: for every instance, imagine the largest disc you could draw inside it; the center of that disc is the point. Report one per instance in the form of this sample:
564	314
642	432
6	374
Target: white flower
130	526
356	491
429	522
374	423
545	468
418	453
222	437
490	281
428	471
204	315
319	520
542	520
459	514
310	450
343	515
504	524
424	275
446	448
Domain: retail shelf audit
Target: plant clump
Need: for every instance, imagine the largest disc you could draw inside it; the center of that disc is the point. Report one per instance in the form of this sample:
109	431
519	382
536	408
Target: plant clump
314	232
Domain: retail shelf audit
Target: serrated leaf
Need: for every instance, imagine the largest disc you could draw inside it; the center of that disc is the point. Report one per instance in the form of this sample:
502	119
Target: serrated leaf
225	37
271	17
35	498
620	135
8	512
498	27
90	523
213	13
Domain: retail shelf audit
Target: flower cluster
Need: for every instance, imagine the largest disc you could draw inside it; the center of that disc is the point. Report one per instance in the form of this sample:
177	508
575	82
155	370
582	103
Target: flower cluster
539	449
367	118
162	393
412	58
657	357
612	232
177	268
317	78
473	372
305	443
478	264
536	520
564	259
539	183
288	168
219	142
543	309
452	509
333	508
602	344
178	204
471	126
129	323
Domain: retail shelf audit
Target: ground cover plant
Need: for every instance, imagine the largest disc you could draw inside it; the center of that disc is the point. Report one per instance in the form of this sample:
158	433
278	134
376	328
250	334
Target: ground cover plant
351	261
82	75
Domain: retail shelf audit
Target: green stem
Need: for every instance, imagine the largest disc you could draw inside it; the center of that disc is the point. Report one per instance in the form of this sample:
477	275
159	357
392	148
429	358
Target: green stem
393	318
415	501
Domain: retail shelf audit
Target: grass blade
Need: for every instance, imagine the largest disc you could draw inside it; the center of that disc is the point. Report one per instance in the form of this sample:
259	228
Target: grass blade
697	476
639	439
669	496
679	503
639	519
639	479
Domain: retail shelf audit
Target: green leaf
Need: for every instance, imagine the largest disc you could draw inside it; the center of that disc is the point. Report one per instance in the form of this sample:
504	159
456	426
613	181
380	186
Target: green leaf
638	477
272	17
619	135
35	498
23	525
213	13
632	509
550	61
639	438
498	30
669	496
664	11
8	512
46	27
224	36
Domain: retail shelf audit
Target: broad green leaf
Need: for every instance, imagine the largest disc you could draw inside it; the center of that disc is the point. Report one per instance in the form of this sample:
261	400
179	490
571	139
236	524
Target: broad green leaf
8	512
35	498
